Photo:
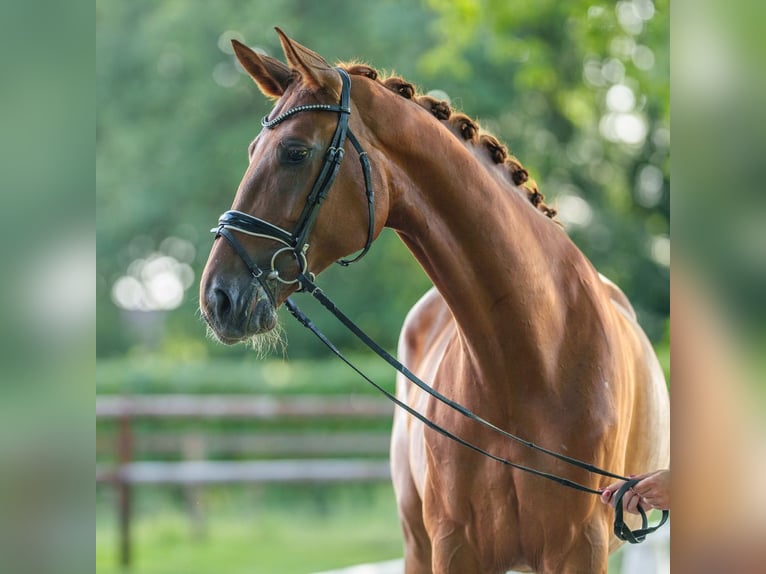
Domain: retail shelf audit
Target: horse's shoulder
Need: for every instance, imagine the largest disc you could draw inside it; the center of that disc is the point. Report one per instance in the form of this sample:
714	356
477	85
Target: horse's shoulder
430	305
425	323
617	297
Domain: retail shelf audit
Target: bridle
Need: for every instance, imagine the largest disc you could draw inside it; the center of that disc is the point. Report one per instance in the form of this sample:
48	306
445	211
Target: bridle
297	243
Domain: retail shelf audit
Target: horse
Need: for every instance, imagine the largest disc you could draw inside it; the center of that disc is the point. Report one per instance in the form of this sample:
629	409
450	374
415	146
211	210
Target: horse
519	326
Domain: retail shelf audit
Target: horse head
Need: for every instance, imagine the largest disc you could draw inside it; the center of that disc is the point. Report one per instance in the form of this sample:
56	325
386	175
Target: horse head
298	207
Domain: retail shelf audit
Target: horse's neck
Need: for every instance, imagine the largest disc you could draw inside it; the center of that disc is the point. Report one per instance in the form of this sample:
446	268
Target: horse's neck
503	268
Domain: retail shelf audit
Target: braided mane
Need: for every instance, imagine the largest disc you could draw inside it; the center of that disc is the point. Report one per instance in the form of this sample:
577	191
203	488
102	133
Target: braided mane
481	143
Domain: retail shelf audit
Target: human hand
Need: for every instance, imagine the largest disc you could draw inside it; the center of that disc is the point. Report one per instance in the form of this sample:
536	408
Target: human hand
652	491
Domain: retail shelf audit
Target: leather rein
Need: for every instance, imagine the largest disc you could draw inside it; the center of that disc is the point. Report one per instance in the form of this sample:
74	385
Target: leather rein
296	243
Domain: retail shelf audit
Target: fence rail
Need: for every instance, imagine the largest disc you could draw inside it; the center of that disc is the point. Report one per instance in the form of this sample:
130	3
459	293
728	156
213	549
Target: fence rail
274	444
200	472
244	407
322	449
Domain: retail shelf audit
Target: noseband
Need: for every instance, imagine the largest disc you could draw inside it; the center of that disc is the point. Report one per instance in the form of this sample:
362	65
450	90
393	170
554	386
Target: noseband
296	242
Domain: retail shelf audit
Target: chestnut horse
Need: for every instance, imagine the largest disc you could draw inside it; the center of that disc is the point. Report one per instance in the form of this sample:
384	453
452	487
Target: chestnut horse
520	328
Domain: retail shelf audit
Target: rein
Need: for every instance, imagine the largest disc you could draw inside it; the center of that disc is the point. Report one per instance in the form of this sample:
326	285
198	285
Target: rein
621	530
296	243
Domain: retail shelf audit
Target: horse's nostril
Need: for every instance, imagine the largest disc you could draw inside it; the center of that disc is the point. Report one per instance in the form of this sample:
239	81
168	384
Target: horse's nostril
221	304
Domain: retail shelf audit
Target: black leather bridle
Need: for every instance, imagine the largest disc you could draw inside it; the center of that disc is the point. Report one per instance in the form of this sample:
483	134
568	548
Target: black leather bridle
296	242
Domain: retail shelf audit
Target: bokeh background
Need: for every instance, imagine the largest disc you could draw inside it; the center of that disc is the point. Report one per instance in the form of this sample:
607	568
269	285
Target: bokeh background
578	90
48	319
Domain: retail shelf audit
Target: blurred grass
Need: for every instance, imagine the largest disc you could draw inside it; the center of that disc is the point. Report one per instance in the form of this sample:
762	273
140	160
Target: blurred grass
290	530
153	374
285	529
250	529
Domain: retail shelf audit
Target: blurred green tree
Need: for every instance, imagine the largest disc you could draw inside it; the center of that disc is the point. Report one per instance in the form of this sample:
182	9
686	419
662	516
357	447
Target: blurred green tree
578	91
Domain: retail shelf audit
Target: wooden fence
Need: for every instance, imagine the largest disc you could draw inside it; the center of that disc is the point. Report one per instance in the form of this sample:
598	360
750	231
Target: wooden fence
305	457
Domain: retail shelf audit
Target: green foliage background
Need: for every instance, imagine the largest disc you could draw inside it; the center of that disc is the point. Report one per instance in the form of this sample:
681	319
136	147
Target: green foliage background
175	117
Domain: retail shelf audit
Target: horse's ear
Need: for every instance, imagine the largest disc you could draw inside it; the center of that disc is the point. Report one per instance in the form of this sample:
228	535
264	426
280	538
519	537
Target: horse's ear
271	75
314	70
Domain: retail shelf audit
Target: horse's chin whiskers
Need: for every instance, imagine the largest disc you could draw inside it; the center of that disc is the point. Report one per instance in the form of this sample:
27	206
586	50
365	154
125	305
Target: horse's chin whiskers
264	344
270	342
210	334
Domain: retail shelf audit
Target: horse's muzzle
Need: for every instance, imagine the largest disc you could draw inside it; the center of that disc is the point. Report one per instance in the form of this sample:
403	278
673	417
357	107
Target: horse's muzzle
236	314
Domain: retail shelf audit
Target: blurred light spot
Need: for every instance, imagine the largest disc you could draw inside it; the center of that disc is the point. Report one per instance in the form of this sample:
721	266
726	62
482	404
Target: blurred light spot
613	71
574	210
596	12
591	72
649	185
165	289
225	74
155	265
186	275
179	248
661	138
156	282
586	150
707	68
644	9
622	47
136	266
224	41
626	128
659	250
59	291
440	95
127	293
629	18
641	102
620	98
643	58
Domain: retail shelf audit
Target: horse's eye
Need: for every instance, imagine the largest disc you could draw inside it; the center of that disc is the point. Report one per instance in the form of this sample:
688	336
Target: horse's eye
295	154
